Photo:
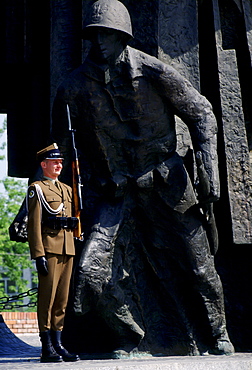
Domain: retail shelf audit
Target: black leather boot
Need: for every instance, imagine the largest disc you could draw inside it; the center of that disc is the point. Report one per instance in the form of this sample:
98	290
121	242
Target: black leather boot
48	352
56	341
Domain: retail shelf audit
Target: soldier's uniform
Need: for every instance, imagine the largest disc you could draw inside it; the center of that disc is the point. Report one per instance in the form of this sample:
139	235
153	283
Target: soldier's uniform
50	234
57	245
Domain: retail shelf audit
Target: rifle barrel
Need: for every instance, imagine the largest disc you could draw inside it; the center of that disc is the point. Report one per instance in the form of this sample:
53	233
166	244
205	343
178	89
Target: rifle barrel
77	195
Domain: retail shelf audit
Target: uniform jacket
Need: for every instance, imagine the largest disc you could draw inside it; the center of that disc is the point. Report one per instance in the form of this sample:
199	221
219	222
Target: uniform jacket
41	238
125	122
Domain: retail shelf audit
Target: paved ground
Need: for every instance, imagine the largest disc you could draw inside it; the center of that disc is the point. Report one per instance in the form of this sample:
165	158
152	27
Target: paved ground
28	352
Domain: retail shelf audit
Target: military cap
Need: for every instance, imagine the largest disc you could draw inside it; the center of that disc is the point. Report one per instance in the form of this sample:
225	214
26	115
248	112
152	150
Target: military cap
50	152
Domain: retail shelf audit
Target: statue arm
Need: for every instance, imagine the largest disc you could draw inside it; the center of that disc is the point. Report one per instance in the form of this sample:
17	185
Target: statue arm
196	111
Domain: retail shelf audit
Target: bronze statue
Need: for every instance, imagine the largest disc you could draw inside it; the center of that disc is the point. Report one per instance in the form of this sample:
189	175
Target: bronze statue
137	190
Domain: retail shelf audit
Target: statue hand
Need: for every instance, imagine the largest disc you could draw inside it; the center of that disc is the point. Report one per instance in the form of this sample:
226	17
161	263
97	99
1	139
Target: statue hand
206	193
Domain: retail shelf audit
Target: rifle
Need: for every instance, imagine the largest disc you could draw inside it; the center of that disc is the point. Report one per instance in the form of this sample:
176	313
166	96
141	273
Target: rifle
77	196
203	189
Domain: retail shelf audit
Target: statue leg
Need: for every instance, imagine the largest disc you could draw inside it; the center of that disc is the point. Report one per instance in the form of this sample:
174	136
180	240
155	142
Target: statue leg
118	316
185	239
94	269
207	283
195	258
96	285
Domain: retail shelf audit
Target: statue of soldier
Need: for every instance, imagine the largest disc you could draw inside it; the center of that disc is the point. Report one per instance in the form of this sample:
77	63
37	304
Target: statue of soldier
122	104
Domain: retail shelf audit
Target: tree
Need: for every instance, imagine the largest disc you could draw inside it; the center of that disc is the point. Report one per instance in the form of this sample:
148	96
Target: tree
14	256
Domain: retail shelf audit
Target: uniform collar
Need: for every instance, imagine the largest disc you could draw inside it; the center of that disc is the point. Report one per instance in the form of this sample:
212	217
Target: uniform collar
51	183
49	178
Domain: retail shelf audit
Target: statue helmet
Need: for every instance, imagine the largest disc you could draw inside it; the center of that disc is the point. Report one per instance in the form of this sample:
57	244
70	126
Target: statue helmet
109	14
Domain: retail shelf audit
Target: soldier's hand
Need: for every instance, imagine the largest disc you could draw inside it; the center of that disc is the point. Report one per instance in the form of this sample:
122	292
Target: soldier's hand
42	265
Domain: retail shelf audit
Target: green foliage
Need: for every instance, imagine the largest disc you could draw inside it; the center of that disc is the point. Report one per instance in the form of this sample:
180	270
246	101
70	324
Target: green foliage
14	257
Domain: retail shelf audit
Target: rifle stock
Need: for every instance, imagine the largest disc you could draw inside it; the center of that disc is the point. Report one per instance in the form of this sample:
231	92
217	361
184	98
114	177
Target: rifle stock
76	203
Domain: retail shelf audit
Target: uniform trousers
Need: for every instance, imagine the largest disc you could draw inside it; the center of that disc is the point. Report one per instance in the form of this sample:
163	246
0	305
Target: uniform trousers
53	291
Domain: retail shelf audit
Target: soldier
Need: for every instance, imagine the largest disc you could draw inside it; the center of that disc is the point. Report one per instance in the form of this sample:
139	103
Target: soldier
123	103
51	244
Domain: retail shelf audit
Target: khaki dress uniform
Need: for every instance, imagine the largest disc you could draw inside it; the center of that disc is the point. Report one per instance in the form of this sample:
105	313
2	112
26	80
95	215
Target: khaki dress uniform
57	245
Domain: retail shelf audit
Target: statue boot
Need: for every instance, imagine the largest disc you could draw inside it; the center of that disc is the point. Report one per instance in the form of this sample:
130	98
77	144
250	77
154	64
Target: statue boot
128	332
48	352
57	344
223	345
125	349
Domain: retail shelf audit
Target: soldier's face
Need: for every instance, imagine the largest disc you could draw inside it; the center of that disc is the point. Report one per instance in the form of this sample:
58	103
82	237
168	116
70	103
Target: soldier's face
52	168
108	43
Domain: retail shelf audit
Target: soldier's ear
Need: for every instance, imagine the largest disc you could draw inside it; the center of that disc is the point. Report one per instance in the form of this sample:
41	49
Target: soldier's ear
43	164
